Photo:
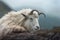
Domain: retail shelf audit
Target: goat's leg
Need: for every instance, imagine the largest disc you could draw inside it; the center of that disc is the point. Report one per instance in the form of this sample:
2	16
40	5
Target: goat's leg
19	29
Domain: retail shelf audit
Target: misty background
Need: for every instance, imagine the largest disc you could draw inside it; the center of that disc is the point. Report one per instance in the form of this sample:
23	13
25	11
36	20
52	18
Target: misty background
50	7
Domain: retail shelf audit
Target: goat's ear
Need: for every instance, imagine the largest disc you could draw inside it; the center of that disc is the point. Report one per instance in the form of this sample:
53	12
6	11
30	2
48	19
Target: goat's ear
33	11
24	15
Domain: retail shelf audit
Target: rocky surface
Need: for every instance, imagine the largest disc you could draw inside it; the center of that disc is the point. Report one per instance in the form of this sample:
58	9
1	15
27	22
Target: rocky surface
53	34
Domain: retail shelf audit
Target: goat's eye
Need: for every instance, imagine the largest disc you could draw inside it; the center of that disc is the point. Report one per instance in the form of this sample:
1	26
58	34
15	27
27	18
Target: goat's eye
31	19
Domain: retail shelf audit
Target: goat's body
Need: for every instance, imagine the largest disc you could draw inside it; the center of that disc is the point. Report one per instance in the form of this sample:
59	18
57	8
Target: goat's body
23	20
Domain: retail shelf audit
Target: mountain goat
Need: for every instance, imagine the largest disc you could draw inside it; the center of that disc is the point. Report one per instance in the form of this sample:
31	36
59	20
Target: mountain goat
25	19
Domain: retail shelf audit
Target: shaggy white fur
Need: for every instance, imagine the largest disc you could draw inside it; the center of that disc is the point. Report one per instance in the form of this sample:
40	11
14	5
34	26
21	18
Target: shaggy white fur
16	21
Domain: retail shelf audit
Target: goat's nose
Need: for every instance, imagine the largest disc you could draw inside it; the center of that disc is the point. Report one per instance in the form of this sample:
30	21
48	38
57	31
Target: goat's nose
37	28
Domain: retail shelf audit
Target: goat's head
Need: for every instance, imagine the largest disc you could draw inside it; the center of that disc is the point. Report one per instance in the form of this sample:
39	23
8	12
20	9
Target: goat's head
31	22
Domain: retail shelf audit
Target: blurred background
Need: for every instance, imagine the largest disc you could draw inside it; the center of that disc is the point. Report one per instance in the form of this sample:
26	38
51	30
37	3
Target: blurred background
50	7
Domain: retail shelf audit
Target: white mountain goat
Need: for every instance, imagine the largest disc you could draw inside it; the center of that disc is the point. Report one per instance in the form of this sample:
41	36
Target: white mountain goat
25	19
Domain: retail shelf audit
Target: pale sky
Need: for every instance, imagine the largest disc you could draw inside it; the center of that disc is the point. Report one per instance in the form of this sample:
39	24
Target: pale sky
49	6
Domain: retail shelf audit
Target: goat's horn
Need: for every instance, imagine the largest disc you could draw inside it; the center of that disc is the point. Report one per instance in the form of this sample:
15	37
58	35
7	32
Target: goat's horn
42	14
38	12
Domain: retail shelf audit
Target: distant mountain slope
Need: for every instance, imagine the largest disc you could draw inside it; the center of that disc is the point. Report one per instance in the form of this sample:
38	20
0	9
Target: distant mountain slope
4	8
49	22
